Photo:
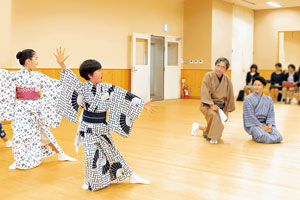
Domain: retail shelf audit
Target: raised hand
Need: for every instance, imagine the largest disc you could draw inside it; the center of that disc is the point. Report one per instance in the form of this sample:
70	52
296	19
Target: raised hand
60	57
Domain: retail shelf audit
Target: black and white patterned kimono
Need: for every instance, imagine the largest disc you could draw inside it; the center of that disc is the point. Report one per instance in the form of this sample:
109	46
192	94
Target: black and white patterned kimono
2	132
31	119
260	111
103	162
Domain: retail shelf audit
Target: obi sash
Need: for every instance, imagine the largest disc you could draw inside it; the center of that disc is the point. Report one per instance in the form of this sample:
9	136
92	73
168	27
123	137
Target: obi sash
95	118
221	106
27	94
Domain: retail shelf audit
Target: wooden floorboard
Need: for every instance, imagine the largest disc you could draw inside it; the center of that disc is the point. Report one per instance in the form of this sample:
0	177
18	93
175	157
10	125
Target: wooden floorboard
179	165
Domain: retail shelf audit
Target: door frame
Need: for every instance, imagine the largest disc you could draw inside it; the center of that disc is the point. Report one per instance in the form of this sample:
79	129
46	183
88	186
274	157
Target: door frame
180	59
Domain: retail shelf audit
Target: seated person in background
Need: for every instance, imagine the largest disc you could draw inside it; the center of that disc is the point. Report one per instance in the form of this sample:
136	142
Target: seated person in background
258	115
250	78
277	78
290	83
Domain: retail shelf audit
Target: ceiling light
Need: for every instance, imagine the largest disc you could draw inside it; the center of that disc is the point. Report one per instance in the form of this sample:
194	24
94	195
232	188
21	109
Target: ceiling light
274	4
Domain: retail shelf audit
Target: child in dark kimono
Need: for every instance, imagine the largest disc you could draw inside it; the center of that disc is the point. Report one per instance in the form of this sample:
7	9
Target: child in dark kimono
103	162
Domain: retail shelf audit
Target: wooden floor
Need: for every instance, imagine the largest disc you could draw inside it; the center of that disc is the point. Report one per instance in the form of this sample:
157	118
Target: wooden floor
179	165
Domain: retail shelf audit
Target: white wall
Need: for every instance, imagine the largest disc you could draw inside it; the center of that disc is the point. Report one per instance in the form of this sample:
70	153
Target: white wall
98	29
242	45
221	31
5	39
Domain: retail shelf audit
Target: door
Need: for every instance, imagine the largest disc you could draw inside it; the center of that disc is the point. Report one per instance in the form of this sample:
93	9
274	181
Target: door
140	70
157	68
172	68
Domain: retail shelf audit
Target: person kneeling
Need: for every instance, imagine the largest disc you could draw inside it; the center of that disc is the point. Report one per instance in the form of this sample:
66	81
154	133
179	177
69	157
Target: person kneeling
258	115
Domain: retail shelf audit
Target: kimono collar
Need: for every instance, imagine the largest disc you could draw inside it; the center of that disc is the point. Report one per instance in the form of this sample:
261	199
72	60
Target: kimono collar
255	94
90	84
25	71
89	96
220	79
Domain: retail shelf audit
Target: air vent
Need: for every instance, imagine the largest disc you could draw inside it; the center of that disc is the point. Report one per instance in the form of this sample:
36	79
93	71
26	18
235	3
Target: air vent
252	3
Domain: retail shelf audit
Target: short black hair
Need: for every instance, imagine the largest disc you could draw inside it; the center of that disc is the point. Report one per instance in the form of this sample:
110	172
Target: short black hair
261	79
278	65
292	66
89	67
253	66
22	56
222	59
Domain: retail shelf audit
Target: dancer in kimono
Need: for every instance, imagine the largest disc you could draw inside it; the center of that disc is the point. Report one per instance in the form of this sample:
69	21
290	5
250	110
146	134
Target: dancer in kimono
33	112
103	162
258	115
4	137
216	93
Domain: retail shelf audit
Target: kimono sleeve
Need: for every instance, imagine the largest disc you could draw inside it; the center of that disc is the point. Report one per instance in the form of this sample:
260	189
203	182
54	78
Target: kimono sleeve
124	108
250	120
69	100
50	92
205	93
271	115
7	97
230	102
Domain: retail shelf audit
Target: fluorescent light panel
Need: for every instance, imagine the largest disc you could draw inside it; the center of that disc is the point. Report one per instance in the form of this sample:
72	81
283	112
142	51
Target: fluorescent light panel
274	4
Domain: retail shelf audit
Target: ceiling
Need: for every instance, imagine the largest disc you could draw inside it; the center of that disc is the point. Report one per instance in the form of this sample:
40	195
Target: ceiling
261	4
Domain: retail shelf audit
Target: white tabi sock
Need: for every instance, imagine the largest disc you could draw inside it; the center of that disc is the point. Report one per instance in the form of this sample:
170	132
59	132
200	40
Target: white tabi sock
85	186
13	166
65	157
214	141
195	128
136	179
8	143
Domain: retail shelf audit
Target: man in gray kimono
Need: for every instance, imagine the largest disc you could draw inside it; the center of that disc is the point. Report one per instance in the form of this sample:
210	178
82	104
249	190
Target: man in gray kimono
258	115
